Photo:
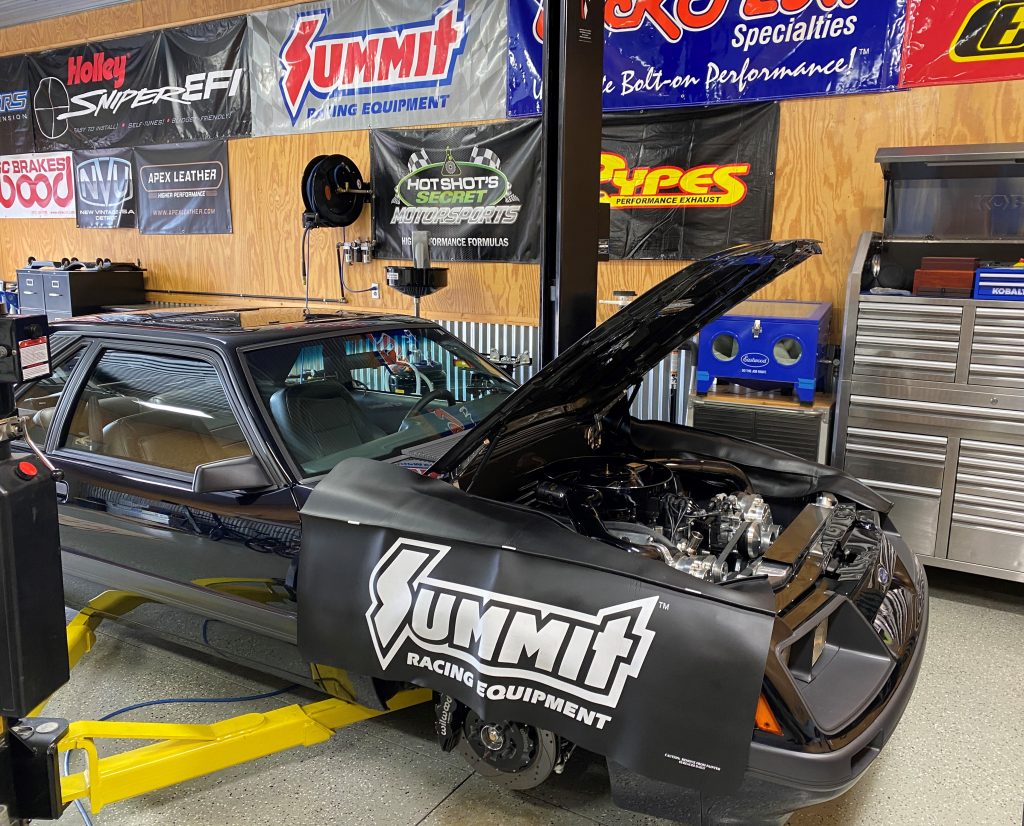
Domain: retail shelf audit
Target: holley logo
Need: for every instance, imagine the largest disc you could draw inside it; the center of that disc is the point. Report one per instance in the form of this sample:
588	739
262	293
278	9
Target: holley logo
755	360
97	69
667	187
411	56
589	656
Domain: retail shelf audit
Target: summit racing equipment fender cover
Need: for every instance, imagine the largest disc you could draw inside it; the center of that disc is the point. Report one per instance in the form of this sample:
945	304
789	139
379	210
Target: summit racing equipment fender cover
408	578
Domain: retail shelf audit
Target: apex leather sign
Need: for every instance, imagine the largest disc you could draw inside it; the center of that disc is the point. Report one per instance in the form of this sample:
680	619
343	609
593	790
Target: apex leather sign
184	84
37	186
963	41
694	52
359	64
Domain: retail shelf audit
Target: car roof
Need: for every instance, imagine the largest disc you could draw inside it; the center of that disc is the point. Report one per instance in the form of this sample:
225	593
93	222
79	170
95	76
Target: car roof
231	326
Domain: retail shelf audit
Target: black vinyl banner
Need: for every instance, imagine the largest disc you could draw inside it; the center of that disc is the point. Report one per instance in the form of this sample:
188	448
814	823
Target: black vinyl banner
15	114
175	85
104	188
475	189
689	183
183	189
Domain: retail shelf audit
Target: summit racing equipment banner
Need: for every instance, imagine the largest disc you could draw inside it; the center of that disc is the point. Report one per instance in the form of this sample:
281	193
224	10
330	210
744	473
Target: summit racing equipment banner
183	84
37	186
15	114
361	64
183	189
476	607
106	190
475	189
694	52
963	41
685	184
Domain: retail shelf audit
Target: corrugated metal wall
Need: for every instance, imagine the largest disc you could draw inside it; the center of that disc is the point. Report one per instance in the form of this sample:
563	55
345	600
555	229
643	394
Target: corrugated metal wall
654	401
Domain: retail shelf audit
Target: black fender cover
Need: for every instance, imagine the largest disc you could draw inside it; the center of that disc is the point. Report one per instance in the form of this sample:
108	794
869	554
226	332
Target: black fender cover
407	578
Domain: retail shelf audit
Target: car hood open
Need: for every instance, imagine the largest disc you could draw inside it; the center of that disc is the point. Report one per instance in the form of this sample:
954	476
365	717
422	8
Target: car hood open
591	374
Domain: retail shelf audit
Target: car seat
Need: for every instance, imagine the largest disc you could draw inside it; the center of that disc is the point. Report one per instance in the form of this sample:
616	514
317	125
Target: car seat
320	418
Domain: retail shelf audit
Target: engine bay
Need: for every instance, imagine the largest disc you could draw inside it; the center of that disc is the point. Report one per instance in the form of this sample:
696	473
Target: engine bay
701	517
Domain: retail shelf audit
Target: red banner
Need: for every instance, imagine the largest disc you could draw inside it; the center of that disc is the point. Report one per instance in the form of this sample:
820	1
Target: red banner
37	186
963	41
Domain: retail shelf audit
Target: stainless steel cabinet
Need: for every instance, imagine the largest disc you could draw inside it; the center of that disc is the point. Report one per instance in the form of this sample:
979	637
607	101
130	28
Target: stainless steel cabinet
930	412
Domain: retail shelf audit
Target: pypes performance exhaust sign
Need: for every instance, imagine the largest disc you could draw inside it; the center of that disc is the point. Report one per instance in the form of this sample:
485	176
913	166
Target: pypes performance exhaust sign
475	190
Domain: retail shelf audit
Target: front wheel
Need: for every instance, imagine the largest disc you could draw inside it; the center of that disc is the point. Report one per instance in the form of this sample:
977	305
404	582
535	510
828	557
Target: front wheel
513	755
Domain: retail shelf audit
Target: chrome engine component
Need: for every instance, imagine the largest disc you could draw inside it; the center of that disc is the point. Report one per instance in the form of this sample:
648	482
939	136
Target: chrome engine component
647	508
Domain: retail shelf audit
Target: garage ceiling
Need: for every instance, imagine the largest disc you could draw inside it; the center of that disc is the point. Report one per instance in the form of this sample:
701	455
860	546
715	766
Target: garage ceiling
16	12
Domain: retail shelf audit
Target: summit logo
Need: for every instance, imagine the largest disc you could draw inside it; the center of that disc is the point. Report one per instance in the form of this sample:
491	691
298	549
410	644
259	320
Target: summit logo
417	55
586	656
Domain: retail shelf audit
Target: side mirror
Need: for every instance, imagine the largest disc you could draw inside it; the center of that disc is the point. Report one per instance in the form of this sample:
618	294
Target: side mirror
241	473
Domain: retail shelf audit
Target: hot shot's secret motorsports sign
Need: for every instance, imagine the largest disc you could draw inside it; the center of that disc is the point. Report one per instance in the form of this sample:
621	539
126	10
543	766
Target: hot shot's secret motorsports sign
362	64
184	84
183	189
697	52
963	41
475	190
37	186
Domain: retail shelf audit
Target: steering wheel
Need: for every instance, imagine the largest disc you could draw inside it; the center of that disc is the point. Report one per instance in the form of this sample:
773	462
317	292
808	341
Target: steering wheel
418	408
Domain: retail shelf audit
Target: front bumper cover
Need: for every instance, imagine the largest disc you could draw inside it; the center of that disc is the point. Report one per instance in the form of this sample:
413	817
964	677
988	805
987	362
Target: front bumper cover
778	782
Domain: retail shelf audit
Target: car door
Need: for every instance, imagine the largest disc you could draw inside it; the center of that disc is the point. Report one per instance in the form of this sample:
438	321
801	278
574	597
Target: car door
211	569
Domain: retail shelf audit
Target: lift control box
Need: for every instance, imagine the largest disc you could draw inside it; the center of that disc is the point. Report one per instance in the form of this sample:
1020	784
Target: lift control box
24	348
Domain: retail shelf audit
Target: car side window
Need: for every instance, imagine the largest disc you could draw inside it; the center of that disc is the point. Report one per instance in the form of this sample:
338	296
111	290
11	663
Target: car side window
38	402
166	411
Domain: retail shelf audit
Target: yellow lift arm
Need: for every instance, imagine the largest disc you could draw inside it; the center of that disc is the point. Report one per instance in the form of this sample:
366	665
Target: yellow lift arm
181	752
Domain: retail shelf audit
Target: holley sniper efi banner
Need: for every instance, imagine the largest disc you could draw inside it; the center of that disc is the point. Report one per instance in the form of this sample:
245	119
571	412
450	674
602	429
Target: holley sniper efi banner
185	84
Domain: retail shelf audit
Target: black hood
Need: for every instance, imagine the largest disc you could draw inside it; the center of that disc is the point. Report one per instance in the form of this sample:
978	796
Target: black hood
595	371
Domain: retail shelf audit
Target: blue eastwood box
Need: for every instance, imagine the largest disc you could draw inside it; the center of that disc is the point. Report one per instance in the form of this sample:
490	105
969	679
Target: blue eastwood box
767	345
999	283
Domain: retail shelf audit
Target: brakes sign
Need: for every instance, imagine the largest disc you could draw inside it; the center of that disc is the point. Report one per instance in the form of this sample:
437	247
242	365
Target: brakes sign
37	186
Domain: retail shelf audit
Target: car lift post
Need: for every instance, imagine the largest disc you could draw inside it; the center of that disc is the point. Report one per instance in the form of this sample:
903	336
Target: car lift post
574	220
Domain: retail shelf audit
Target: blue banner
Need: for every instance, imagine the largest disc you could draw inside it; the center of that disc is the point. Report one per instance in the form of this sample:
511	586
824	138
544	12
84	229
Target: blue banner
661	53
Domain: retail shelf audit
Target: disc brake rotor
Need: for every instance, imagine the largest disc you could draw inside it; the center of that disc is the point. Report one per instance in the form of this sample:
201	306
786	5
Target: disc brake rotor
513	755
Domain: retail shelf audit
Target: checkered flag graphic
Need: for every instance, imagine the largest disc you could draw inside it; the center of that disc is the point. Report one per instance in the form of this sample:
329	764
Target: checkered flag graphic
485	157
418	160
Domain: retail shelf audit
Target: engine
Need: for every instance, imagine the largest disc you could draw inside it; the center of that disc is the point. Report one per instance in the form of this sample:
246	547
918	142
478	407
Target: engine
700	517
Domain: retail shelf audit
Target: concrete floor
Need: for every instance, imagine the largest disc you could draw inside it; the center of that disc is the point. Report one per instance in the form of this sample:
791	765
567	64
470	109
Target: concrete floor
957	757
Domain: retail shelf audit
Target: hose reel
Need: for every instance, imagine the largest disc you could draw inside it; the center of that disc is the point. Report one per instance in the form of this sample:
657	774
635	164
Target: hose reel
333	192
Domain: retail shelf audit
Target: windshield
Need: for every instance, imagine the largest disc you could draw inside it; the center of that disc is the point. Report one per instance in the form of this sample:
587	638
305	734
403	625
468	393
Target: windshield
372	394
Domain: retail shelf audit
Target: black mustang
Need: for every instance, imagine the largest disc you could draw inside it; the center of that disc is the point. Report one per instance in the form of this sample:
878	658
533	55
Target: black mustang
362	503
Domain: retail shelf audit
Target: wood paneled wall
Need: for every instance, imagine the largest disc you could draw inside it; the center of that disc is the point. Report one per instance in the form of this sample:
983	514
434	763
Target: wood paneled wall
828	188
